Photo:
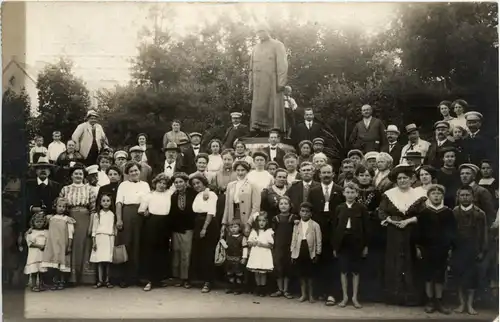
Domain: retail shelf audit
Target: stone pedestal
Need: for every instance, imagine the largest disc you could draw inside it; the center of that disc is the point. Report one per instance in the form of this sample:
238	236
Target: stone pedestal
258	143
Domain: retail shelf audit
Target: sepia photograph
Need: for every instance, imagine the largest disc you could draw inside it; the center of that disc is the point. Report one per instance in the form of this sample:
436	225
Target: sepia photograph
240	160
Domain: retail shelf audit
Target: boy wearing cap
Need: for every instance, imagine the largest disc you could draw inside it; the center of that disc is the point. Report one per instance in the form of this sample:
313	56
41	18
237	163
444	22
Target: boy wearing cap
369	133
235	131
392	146
415	143
442	130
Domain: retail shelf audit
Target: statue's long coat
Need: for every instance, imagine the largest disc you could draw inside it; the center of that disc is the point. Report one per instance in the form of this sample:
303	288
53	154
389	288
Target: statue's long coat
268	73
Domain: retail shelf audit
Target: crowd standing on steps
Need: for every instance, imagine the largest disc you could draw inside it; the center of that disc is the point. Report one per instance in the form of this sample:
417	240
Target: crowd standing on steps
405	222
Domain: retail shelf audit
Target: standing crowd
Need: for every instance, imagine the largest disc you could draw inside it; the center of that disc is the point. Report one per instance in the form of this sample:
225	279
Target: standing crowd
393	221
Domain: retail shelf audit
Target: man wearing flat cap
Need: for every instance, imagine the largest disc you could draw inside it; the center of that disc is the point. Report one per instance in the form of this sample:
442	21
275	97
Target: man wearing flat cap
369	133
235	131
434	156
267	81
392	146
90	138
477	146
415	143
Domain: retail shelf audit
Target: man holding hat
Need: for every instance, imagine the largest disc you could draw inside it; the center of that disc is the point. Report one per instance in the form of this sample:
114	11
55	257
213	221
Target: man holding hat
41	192
236	131
267	81
136	153
413	158
477	146
392	146
434	156
90	138
191	151
415	143
274	152
369	133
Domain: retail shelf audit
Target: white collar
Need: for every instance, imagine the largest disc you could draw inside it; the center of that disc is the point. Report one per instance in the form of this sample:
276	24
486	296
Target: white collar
236	125
475	133
307	183
402	200
486	181
294	174
349	205
367	120
329	186
441	141
46	181
196	146
467	208
430	205
170	164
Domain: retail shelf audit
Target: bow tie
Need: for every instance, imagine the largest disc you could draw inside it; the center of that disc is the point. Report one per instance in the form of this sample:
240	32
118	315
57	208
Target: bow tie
196	147
273	149
43	185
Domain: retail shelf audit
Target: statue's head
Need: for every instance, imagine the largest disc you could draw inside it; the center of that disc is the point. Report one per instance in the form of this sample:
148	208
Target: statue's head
263	32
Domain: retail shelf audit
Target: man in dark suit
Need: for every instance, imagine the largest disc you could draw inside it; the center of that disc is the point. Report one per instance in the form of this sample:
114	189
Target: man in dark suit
299	190
274	152
392	146
477	146
434	155
236	131
41	192
307	130
173	161
191	150
368	134
325	198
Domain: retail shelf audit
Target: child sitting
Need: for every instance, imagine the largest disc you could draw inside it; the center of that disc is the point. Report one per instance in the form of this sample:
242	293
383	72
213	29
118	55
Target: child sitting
305	250
350	236
36	239
56	255
260	261
236	257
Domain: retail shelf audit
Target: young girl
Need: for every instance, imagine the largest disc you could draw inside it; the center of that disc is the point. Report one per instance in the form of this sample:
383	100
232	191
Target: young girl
103	240
282	224
436	226
104	162
305	249
236	257
260	261
350	241
36	239
60	239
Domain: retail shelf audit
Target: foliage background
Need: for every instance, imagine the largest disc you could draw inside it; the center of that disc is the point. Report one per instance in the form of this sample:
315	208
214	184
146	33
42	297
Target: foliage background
429	52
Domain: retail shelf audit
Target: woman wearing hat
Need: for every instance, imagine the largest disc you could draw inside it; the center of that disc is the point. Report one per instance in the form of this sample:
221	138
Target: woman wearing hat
90	138
305	151
64	159
81	206
129	224
395	212
205	234
176	135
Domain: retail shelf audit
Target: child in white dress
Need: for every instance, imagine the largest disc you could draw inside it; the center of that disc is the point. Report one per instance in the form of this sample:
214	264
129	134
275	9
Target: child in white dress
56	255
103	240
36	238
260	261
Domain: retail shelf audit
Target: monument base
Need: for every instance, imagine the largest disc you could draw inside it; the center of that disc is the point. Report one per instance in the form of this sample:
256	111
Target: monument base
259	143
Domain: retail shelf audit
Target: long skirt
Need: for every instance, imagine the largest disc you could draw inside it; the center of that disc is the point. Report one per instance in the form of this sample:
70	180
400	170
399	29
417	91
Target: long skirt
181	254
155	248
130	237
82	271
203	250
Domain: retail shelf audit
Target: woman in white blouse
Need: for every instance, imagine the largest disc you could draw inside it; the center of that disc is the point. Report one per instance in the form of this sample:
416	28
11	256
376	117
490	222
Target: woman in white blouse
128	199
205	232
155	208
215	158
260	177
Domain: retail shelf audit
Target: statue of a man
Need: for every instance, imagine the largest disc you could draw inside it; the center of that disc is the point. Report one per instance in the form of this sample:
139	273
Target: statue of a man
268	77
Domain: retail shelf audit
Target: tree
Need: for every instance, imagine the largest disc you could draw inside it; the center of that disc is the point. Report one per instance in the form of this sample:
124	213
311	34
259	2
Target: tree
63	100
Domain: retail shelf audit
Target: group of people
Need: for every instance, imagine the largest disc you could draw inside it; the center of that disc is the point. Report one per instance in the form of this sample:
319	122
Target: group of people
393	217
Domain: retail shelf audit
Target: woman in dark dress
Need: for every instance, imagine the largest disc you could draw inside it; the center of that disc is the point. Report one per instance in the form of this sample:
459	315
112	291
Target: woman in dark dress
64	162
372	272
400	254
271	194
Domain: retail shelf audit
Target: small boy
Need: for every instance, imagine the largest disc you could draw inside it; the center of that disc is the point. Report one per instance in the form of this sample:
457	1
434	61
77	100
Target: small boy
350	236
290	108
38	150
291	163
437	227
470	245
56	147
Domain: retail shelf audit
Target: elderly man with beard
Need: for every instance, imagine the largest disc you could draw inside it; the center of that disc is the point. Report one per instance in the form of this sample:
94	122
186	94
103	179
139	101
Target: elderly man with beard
434	156
325	197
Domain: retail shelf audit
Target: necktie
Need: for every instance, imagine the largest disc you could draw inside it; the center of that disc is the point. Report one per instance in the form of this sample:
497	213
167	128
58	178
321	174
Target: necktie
181	202
196	148
308	125
93	133
327	193
306	192
391	146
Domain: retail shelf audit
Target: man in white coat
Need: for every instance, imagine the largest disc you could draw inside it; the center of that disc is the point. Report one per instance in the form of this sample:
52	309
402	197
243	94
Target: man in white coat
90	138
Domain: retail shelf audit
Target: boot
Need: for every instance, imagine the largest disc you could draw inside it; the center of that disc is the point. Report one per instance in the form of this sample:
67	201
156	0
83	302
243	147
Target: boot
441	308
262	291
430	306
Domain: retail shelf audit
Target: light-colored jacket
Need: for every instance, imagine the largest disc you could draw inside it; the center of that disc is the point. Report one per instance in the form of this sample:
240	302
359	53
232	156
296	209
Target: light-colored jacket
421	146
83	138
313	237
249	202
